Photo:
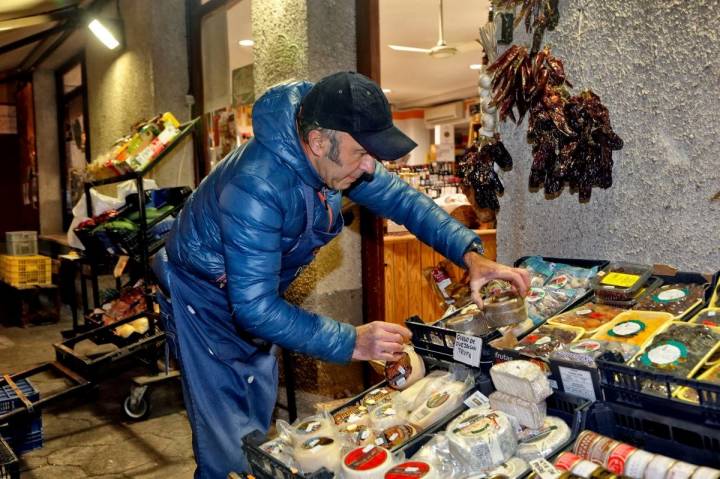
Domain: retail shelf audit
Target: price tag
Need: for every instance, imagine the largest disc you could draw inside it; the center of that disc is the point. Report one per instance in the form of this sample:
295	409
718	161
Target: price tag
477	399
544	469
467	350
578	382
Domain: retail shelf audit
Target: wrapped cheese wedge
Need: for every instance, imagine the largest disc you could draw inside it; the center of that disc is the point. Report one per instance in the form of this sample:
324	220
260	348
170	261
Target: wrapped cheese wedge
522	379
442	401
310	427
545	441
482	439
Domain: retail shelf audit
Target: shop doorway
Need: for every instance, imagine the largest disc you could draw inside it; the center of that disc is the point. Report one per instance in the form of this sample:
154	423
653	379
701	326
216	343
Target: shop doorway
73	136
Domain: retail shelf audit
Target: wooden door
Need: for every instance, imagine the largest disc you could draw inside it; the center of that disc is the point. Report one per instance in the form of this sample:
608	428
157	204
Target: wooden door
27	205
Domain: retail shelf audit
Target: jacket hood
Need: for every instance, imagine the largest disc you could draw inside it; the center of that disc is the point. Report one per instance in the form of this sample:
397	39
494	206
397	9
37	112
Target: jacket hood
274	124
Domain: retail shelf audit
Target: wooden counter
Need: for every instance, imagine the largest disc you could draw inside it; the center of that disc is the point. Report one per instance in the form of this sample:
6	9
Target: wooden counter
407	292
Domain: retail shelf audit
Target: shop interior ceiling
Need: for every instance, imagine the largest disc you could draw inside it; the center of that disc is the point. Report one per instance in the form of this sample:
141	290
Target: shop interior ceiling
416	79
39	33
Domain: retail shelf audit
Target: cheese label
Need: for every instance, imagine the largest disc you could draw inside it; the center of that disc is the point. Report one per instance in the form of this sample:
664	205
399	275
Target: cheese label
670	353
437	399
311	444
385	411
627	328
397	435
366	459
350	415
408	470
309	427
477	424
398	372
622	280
377	396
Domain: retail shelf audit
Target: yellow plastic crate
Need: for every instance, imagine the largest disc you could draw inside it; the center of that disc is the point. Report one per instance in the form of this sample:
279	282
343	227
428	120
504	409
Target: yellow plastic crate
26	270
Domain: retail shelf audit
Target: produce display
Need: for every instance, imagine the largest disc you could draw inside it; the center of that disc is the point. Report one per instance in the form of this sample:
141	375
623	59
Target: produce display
678	349
633	327
708	317
586	351
589	316
546	339
593	450
677	299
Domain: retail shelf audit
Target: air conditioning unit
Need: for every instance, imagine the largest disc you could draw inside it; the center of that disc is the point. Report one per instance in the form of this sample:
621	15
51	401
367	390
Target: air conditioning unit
446	113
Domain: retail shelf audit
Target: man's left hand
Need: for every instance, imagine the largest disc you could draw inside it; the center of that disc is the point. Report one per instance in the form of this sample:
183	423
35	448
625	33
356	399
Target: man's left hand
482	270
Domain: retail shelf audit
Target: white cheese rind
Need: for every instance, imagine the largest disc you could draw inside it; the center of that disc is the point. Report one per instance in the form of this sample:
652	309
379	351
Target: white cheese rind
438	405
482	439
547	443
318	452
528	414
522	379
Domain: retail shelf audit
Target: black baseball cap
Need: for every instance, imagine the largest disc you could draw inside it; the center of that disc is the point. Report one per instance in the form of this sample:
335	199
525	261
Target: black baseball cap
353	103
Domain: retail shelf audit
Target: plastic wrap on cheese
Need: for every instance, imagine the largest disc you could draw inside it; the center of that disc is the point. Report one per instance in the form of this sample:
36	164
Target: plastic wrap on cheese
482	439
410	395
437	452
280	450
545	441
527	413
586	351
522	379
438	404
514	468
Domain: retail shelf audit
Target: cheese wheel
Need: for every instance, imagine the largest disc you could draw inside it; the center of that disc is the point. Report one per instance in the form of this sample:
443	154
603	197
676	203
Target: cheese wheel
318	452
413	470
706	473
409	395
385	416
315	426
514	468
356	434
482	439
378	396
545	441
280	450
406	371
355	414
369	462
395	436
441	403
522	379
528	414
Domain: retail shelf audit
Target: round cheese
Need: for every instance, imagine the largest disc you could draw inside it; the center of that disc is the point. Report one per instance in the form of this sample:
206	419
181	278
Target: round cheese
385	416
545	441
279	450
513	469
315	426
483	439
438	405
406	371
356	414
395	436
377	396
318	452
413	470
409	395
369	462
356	434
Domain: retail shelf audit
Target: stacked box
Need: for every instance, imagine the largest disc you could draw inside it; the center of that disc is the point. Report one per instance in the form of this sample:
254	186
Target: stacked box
22	271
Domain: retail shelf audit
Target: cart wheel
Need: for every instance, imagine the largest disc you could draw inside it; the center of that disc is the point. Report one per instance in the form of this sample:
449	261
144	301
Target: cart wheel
136	410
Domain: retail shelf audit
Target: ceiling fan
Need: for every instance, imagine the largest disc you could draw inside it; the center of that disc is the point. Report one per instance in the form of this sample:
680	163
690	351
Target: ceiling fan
441	49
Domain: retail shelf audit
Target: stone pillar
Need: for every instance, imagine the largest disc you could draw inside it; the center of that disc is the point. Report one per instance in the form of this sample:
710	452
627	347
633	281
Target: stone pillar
309	40
655	66
147	77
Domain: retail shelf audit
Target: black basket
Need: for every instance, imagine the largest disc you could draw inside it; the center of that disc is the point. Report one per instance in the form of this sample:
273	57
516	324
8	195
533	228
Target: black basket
9	466
664	434
624	384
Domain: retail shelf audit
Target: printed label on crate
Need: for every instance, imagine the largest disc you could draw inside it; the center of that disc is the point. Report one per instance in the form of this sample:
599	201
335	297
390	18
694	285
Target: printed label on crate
544	469
627	328
577	382
467	349
622	280
670	353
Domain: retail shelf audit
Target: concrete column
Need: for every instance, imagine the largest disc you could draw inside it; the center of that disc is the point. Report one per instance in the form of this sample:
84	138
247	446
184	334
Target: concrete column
655	66
309	40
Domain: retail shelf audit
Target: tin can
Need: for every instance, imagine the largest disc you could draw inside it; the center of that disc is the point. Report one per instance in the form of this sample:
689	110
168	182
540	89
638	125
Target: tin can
601	449
681	470
637	463
566	461
618	457
659	467
584	443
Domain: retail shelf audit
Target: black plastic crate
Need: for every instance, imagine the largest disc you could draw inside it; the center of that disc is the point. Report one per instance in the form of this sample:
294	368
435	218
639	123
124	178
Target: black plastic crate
664	434
9	466
624	384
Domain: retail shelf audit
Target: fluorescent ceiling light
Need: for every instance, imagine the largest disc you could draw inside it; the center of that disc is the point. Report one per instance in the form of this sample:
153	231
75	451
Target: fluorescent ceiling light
401	48
476	66
246	43
386	90
103	34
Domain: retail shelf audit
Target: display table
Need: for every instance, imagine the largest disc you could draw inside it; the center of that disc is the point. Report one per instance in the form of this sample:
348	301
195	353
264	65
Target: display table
407	292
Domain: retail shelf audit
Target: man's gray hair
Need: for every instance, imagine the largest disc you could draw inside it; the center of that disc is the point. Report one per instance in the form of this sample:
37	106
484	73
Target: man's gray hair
306	126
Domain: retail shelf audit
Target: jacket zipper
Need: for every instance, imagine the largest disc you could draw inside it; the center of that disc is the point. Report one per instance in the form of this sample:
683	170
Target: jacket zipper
323	197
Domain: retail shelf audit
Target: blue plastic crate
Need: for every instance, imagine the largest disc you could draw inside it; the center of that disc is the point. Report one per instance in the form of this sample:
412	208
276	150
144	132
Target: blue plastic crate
21	445
9	399
21	428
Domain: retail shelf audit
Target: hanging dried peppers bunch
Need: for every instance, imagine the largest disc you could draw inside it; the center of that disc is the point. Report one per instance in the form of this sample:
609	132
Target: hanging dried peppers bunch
539	15
477	170
571	136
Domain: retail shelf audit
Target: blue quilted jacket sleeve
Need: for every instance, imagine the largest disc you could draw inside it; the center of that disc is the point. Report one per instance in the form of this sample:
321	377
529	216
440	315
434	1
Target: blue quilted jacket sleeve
251	221
389	196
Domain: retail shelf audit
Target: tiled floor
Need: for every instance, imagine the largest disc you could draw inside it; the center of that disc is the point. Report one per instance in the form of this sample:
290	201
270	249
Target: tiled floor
90	436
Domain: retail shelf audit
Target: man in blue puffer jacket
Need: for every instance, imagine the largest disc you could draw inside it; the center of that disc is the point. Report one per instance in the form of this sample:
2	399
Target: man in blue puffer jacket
255	222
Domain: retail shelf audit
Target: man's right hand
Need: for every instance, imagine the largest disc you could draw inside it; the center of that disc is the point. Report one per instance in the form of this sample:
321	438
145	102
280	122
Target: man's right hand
380	341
